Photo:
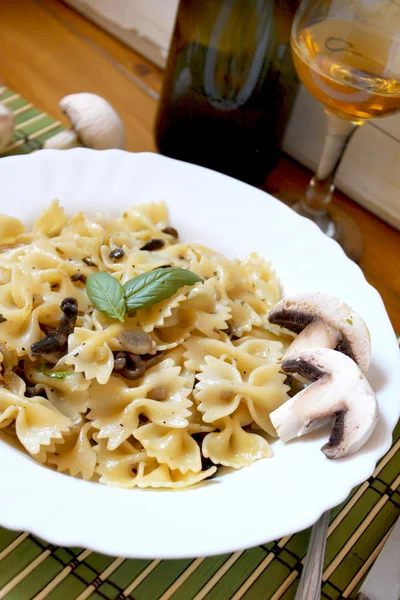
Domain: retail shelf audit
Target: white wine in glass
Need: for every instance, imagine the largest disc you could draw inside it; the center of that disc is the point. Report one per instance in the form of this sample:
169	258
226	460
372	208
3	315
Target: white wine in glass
347	54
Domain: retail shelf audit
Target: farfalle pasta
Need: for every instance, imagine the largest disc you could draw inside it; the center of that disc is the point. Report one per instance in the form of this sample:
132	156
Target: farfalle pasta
161	398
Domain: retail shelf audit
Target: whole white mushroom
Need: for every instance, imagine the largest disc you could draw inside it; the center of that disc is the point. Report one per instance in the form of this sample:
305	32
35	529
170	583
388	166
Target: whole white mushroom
94	124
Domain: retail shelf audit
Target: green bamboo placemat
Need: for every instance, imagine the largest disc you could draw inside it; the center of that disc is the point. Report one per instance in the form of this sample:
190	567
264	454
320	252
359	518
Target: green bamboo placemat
32	569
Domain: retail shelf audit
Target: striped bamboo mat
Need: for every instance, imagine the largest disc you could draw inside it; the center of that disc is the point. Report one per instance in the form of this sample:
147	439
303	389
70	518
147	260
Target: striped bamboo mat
32	569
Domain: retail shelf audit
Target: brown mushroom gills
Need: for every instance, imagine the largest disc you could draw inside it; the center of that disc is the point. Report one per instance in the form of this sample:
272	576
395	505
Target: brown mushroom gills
298	321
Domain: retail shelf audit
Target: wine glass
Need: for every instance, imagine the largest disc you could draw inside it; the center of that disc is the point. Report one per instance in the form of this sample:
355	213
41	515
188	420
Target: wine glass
347	54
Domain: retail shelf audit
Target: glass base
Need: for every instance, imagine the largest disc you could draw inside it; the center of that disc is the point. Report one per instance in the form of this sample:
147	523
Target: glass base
335	223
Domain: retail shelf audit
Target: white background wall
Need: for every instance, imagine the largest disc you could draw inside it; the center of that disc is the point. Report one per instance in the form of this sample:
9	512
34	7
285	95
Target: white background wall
370	171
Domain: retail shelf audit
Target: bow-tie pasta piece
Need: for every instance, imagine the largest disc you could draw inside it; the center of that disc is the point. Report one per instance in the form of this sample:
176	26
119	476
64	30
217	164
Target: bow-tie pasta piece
161	476
206	310
185	255
89	352
76	455
51	221
70	394
37	422
266	392
219	390
138	262
244	317
147	219
234	447
120	467
260	279
160	396
10	230
173	447
246	354
155	316
81	225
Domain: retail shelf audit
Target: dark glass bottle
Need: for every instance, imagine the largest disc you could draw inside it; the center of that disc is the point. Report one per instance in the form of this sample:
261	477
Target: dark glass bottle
229	86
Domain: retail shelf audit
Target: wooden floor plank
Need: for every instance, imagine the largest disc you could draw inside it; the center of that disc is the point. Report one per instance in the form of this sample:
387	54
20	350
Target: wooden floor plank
140	68
44	60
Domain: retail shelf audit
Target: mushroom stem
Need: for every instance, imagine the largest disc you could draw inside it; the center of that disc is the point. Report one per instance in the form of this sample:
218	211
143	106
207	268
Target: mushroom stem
62	141
57	340
316	335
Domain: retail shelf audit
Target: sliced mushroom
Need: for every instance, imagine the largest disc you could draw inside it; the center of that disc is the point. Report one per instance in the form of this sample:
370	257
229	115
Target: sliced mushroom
158	393
136	341
339	390
153	244
57	340
130	366
151	359
117	253
171	231
323	321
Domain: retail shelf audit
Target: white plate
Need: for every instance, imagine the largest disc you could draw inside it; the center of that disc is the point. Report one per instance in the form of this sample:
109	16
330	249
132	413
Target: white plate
274	497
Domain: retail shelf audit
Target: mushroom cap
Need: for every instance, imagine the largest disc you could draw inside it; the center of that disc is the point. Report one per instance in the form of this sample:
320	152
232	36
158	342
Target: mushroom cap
339	390
94	120
297	312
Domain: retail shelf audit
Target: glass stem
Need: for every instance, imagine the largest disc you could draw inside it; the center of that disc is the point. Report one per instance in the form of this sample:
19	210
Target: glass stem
321	186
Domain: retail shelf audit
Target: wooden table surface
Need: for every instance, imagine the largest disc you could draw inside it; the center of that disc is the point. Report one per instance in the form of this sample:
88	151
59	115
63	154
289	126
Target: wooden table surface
47	51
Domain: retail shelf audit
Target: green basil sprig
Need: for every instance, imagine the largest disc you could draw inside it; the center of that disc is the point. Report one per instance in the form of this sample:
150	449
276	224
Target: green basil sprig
156	285
107	294
113	299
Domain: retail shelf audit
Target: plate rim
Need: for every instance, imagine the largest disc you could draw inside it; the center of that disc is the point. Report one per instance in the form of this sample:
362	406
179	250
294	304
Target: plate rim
26	521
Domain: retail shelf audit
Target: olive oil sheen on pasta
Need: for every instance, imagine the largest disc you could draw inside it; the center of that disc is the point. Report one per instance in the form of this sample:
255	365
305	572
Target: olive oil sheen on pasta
228	86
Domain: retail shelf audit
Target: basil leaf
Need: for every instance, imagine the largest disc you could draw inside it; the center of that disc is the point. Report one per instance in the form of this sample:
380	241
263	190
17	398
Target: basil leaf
156	285
56	374
107	294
